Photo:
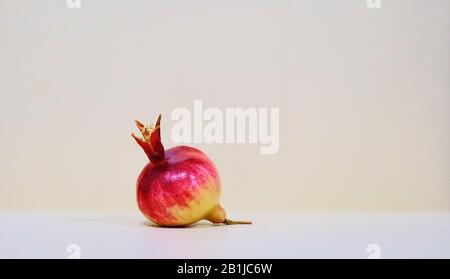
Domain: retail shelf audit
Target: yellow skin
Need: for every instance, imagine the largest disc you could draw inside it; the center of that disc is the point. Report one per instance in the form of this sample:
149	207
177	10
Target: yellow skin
203	206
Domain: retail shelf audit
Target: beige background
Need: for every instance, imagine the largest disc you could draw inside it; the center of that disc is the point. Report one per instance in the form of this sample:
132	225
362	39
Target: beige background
364	98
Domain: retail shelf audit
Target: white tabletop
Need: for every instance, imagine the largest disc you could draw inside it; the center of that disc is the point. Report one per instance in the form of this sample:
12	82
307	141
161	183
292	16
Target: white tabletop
280	234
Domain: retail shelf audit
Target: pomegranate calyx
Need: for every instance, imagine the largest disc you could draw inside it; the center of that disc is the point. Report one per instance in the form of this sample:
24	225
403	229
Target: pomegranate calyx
151	141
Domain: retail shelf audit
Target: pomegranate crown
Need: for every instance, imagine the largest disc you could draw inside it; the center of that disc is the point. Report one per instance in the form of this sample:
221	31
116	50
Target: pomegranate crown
151	141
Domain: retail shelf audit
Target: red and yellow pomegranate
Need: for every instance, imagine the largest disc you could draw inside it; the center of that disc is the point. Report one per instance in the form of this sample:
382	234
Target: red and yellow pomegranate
180	185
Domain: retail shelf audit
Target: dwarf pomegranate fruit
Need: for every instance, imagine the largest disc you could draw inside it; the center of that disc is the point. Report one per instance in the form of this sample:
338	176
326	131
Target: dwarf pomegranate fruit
180	185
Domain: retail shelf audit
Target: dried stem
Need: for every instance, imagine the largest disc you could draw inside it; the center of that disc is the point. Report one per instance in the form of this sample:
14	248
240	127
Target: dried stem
231	222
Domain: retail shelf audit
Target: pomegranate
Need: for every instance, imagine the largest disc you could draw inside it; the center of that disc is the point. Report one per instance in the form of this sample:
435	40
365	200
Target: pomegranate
180	185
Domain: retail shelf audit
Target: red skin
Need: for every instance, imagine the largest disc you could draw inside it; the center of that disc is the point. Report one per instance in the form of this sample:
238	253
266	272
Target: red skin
175	182
179	186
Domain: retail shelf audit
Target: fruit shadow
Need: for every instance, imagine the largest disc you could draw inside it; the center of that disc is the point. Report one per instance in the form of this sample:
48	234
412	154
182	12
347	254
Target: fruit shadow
128	221
198	225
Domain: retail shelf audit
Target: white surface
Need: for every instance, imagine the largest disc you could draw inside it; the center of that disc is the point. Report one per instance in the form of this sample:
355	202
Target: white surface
273	235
